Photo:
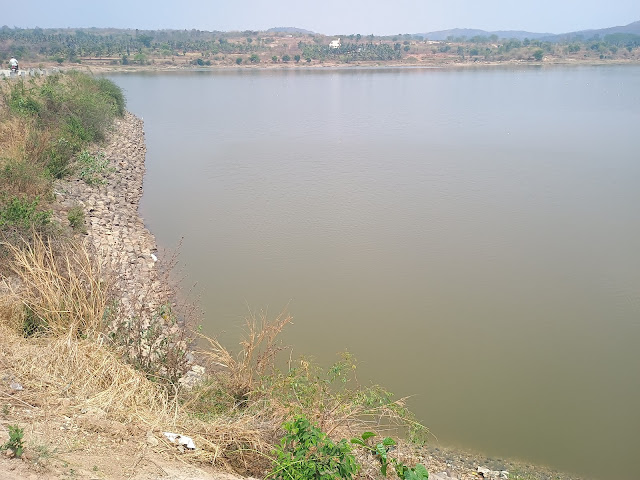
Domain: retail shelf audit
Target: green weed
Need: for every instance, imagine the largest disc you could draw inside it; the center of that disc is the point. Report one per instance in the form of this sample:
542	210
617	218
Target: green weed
14	443
307	453
381	451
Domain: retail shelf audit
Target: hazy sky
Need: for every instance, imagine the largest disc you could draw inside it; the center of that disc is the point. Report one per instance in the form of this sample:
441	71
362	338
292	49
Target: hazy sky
324	16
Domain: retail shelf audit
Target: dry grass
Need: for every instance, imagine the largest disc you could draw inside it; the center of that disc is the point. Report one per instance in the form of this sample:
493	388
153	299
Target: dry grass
65	367
14	133
62	285
90	376
21	147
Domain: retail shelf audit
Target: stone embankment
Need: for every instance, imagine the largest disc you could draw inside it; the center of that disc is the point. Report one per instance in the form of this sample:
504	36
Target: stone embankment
114	226
30	72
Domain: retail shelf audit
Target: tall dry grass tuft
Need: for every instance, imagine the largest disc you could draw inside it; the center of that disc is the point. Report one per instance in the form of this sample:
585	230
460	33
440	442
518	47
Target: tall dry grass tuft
240	375
14	133
62	285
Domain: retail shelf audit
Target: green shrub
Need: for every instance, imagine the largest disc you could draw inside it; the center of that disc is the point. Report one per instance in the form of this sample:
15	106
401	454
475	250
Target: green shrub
69	111
58	157
76	219
22	101
22	213
307	453
82	106
111	90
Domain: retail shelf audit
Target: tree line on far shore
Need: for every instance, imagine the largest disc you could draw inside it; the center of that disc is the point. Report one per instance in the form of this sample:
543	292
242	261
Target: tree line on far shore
204	48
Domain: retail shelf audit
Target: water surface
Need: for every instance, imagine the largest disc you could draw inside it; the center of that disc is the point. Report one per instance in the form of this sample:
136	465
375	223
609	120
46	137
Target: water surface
471	236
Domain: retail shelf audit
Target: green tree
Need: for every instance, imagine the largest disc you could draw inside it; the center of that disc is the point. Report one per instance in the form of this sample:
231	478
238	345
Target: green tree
254	58
239	60
296	58
286	58
538	54
274	59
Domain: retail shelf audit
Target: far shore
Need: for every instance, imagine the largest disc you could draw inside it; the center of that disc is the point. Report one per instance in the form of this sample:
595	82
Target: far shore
105	66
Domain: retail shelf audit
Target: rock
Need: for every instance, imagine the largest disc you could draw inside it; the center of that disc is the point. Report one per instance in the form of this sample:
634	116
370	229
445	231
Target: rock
152	440
485	472
442	476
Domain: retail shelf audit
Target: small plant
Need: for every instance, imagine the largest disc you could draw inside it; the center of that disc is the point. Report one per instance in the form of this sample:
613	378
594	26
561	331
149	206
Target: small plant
307	453
20	212
381	451
419	472
42	452
15	441
93	168
76	219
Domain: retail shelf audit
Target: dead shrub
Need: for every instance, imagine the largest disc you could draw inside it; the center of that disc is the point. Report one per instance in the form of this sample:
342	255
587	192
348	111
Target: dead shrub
240	376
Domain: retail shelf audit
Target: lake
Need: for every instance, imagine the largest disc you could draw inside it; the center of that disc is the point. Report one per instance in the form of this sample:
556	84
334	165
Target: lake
472	236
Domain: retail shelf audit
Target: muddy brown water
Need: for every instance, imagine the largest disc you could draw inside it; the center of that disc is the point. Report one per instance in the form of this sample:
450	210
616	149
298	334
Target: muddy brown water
472	236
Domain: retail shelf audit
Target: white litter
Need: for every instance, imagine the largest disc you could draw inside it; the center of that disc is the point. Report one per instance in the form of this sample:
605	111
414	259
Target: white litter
16	386
186	442
154	258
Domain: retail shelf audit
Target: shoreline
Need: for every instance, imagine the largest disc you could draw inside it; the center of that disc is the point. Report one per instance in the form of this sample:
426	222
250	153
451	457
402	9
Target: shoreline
101	67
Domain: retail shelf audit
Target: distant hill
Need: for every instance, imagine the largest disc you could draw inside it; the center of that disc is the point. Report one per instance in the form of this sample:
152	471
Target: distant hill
633	28
472	32
468	33
290	30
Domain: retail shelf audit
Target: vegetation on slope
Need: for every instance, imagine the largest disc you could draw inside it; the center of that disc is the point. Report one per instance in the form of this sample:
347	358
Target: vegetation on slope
45	124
